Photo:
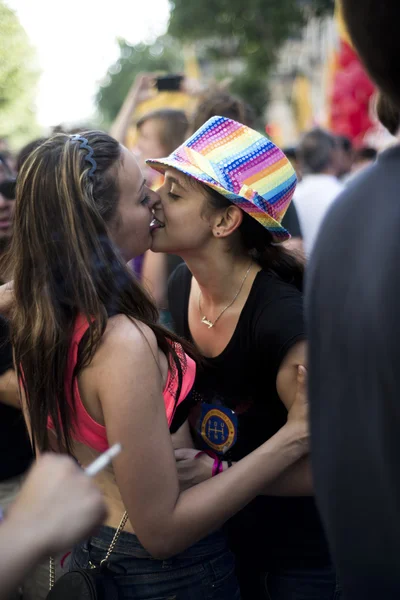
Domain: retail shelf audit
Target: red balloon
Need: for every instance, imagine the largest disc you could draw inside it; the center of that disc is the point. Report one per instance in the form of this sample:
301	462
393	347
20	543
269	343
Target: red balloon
350	96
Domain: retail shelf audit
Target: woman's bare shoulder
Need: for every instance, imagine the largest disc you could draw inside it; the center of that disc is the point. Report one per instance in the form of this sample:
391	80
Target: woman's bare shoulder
125	337
122	329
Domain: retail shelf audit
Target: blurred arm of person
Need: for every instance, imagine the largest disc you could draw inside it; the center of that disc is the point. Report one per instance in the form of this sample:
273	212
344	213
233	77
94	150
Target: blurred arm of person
142	89
57	507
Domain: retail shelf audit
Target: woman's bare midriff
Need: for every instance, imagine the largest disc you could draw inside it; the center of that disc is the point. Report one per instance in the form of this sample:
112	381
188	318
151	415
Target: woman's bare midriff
107	483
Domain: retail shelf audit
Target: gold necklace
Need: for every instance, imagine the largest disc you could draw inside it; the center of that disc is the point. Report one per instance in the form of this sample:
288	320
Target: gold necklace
210	323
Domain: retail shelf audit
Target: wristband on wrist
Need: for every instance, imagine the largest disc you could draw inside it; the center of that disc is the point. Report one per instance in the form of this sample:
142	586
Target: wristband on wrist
217	467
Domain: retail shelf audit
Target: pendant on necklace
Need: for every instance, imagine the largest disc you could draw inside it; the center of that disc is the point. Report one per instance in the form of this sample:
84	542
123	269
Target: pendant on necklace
207	322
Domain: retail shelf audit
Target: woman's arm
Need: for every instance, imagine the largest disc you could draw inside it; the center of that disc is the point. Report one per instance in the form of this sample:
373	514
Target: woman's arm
166	520
294	481
183	438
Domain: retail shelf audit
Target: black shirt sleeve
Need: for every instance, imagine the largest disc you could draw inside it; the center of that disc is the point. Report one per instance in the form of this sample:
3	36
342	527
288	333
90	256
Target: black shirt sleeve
280	325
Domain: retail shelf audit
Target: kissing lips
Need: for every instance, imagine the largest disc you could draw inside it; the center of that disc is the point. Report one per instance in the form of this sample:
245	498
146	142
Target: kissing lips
156	224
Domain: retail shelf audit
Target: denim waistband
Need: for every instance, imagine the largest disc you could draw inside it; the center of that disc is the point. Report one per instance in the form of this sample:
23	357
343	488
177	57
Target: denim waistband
128	544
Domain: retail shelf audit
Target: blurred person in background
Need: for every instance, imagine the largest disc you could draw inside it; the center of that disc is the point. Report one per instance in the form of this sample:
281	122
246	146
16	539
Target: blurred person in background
319	159
364	157
57	506
292	154
221	103
6	154
15	448
345	156
7	205
353	317
27	150
159	133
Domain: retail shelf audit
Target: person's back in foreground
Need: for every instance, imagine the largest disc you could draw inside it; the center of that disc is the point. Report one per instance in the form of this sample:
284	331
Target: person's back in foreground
354	286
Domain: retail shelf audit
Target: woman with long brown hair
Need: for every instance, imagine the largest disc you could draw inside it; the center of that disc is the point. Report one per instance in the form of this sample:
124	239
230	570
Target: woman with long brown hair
96	369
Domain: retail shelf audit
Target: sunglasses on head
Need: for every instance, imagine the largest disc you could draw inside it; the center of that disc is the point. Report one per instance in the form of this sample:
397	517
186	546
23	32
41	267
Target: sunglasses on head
8	187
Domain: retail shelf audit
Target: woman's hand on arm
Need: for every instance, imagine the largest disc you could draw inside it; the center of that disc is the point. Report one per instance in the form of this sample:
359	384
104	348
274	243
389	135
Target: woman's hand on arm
291	385
292	389
192	470
295	481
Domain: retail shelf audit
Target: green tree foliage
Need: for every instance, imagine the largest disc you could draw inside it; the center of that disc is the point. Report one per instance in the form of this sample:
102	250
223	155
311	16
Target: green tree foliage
18	78
254	31
164	56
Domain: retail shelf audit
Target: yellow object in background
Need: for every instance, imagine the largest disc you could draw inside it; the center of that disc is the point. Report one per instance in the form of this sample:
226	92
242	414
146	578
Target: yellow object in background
340	24
301	97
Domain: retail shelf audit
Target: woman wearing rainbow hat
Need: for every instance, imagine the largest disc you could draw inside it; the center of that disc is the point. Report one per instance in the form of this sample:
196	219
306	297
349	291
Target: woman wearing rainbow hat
238	299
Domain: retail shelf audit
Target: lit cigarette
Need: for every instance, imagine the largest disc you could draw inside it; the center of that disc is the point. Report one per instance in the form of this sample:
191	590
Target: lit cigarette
103	460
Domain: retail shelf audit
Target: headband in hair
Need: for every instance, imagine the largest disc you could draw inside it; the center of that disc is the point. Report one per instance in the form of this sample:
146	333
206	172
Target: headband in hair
84	145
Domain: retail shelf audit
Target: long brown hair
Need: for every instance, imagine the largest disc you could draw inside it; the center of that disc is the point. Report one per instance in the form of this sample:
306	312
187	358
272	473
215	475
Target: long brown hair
65	265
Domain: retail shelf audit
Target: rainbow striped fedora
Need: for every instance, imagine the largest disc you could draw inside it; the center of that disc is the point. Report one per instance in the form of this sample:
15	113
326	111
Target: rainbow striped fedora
242	165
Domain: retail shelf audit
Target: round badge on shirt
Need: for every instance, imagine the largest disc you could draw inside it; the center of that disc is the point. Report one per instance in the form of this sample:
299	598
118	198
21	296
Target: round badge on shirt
218	427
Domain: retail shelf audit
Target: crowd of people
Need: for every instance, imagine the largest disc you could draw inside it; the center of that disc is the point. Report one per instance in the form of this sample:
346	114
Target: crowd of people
226	312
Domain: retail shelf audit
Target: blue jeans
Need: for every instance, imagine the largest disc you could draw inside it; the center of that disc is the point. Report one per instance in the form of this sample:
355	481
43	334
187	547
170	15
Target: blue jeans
303	584
318	583
206	571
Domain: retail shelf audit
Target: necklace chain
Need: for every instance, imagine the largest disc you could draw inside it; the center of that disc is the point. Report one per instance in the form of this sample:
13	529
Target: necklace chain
211	324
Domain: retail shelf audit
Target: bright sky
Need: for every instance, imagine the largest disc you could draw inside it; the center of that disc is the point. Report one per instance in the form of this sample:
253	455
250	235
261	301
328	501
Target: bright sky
75	44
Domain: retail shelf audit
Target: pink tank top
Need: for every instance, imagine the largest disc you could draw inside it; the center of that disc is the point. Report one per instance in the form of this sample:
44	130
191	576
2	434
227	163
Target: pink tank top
85	429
